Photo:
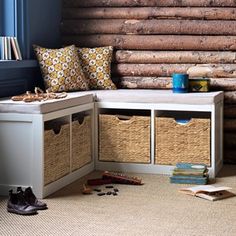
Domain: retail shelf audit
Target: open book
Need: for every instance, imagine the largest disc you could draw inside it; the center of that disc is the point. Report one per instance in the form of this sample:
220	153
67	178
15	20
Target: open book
208	192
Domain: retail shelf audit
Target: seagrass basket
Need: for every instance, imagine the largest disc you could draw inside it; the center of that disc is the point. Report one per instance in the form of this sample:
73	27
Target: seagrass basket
176	142
124	140
56	154
81	143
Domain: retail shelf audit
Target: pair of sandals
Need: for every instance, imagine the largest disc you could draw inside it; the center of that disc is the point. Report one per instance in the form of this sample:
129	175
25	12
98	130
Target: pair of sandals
38	95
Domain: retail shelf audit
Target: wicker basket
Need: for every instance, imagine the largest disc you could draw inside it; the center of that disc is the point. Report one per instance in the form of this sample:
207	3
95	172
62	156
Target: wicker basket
81	143
124	140
188	142
56	154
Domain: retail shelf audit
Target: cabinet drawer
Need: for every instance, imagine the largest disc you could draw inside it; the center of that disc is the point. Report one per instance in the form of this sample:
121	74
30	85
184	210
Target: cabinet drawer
56	153
124	140
182	142
81	143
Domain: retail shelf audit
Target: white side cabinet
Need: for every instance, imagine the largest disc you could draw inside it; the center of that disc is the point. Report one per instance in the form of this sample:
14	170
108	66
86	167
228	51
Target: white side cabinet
39	144
155	104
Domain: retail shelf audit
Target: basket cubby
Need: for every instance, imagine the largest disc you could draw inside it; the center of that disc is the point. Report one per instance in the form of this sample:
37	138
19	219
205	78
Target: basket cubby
124	140
56	153
81	142
182	142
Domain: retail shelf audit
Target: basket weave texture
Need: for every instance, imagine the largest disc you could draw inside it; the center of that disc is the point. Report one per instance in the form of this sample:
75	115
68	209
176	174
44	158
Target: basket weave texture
56	154
124	140
182	142
81	143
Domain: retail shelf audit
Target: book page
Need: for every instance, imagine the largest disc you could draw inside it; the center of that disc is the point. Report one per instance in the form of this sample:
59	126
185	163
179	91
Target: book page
204	188
216	195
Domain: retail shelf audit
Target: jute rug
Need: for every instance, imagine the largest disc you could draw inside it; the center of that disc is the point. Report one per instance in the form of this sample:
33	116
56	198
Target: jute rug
156	208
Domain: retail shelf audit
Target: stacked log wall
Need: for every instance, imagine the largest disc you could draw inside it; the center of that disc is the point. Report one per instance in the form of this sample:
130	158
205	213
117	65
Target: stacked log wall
155	38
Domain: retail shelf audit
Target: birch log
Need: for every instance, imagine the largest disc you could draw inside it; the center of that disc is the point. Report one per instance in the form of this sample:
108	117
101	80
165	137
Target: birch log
131	26
155	42
230	140
145	82
226	84
211	70
150	13
230	125
230	111
184	57
230	97
148	69
230	156
149	3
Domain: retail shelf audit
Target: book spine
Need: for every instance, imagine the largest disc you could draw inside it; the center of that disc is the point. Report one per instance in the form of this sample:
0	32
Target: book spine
1	49
13	45
180	180
190	170
5	49
9	48
189	165
197	175
3	56
187	177
185	181
18	48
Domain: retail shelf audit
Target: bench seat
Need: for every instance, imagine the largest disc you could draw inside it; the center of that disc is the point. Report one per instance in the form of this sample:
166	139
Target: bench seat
72	99
119	95
156	96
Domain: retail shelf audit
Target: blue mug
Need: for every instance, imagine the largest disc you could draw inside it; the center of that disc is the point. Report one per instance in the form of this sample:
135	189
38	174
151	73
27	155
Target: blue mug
180	83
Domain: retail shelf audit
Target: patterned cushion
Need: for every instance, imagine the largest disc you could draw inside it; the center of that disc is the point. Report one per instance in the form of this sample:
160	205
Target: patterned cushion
61	69
96	64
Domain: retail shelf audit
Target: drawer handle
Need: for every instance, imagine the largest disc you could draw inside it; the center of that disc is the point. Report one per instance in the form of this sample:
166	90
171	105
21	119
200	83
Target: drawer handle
183	121
125	119
81	120
57	130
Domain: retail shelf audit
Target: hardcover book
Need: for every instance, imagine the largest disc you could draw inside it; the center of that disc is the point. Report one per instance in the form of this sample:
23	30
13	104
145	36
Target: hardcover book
209	192
179	179
1	48
189	166
9	48
18	48
13	44
190	172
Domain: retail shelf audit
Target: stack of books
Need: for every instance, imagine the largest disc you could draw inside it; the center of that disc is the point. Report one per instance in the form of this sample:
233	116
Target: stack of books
187	173
9	49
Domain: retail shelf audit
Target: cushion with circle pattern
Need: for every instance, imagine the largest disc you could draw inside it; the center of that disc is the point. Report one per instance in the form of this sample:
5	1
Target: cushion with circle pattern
96	65
61	69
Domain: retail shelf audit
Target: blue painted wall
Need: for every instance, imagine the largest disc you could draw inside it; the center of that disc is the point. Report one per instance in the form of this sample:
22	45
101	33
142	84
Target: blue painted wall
41	25
44	23
8	17
17	81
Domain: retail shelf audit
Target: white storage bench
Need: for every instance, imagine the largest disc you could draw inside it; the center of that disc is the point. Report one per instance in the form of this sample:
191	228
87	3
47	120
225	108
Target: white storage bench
46	145
78	141
203	110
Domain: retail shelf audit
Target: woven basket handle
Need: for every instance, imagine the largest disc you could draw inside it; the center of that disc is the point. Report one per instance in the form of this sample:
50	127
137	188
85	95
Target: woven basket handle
81	120
58	129
125	119
183	121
